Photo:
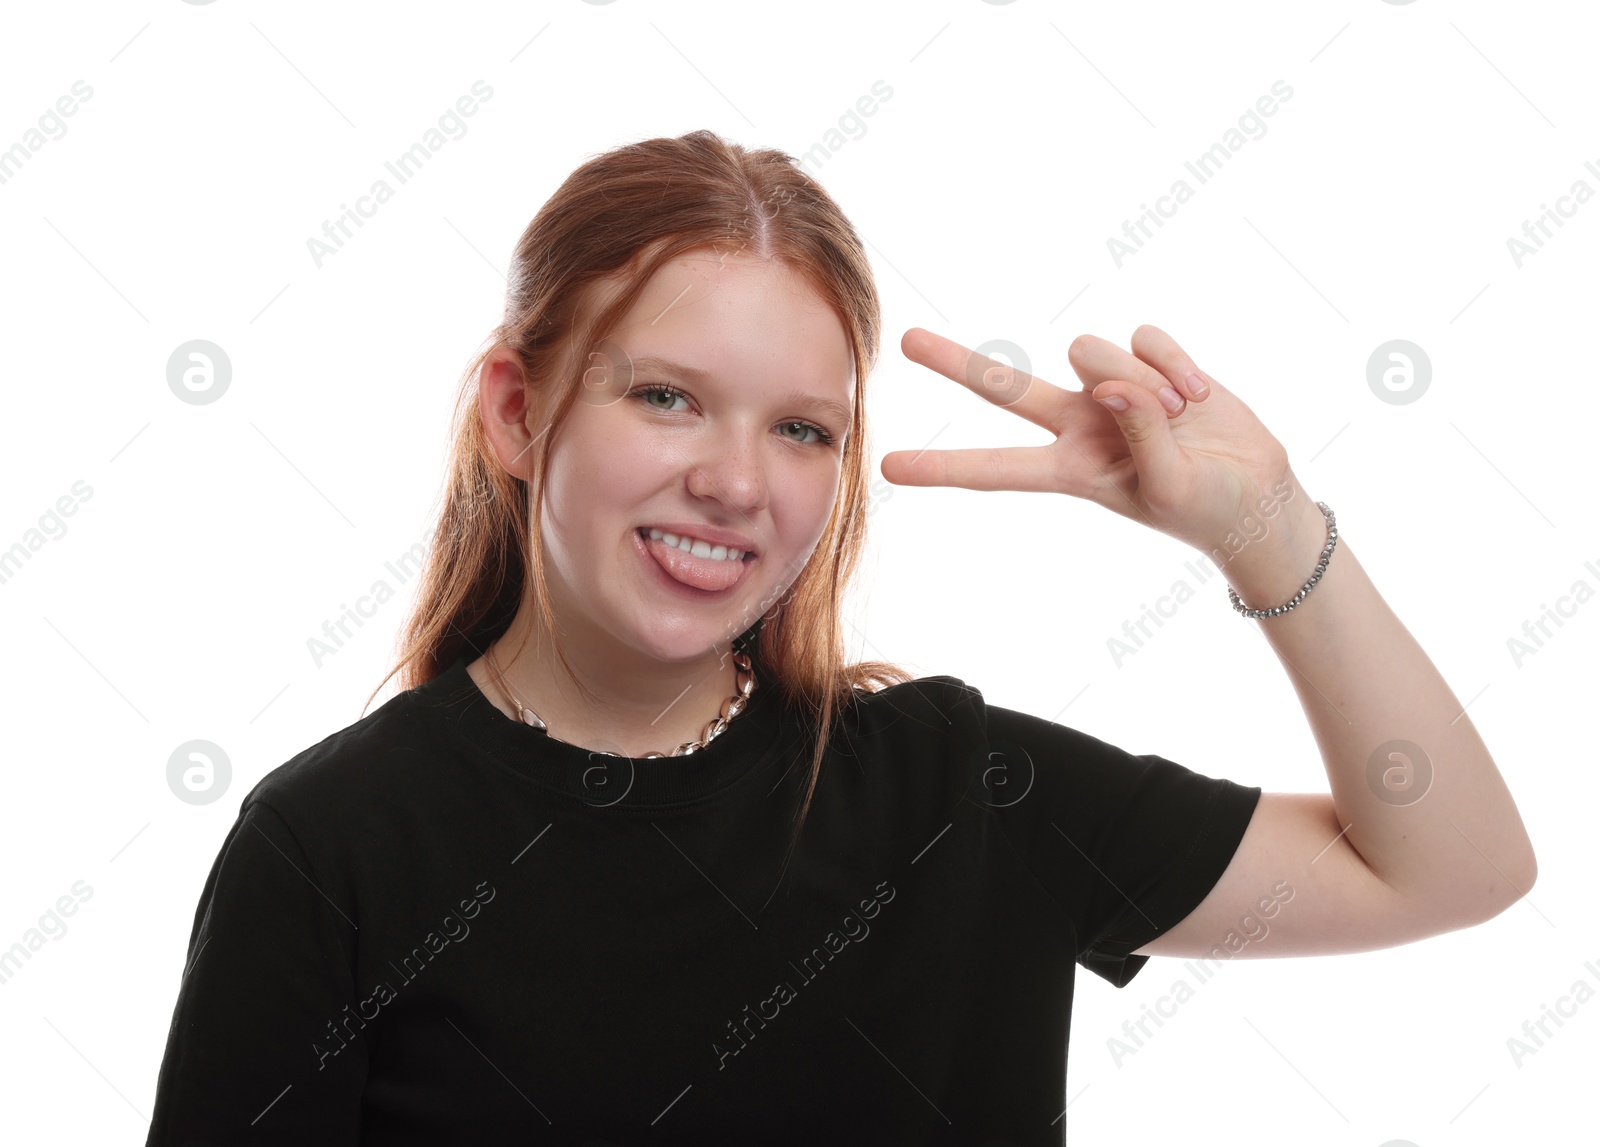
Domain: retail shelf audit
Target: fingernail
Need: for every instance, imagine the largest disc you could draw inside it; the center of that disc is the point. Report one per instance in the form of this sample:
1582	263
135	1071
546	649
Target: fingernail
1170	398
1114	402
1198	385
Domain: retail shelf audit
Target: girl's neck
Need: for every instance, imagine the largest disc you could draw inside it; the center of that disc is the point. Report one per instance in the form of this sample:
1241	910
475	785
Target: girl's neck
636	709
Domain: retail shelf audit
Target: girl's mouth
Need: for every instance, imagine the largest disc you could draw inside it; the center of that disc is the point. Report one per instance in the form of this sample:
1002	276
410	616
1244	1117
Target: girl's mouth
706	574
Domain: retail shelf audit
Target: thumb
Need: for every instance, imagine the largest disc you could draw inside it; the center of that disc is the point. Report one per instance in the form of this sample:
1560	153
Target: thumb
1144	424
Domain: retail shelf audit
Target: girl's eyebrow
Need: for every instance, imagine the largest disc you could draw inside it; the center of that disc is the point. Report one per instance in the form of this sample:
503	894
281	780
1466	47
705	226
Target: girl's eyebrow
655	362
648	362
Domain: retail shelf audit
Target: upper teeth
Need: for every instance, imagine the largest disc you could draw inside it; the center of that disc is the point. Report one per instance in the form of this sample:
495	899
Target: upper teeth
700	549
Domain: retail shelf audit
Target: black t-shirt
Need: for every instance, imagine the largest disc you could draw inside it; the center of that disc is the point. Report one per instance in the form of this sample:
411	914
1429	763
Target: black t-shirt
440	925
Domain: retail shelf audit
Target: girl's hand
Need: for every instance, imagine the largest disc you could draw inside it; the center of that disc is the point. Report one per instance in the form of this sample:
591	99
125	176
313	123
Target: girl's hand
1193	474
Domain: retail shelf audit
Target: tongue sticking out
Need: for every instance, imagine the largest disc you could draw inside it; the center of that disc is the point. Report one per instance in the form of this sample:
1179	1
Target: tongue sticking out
701	573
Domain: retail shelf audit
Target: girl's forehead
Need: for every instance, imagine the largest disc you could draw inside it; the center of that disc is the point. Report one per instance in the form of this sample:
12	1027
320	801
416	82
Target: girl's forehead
711	316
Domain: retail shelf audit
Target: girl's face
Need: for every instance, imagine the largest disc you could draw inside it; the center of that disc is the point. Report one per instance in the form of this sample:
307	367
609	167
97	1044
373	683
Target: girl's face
718	415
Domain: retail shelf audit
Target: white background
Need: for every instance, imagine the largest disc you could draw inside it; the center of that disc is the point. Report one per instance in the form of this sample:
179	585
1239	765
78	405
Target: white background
218	538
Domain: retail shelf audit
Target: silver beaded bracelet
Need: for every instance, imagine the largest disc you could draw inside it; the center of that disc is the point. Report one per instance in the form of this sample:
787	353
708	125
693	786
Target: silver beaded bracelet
1316	575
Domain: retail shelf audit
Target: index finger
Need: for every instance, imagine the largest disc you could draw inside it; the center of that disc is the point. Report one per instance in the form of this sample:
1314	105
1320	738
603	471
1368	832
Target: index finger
1024	394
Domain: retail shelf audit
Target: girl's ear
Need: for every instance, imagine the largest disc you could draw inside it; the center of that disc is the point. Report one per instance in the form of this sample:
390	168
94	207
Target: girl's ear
509	422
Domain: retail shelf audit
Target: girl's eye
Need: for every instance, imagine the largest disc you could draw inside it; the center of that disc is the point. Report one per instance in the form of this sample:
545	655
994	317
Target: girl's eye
644	393
671	393
822	436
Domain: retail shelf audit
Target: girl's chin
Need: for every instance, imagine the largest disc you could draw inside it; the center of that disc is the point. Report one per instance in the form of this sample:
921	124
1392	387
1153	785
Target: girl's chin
688	645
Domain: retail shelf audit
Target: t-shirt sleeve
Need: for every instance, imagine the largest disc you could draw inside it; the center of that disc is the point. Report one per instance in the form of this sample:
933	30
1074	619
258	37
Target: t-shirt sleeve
1127	844
251	1057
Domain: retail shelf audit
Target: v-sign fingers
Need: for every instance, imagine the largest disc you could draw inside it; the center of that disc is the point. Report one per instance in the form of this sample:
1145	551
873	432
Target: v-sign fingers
1025	395
1027	468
